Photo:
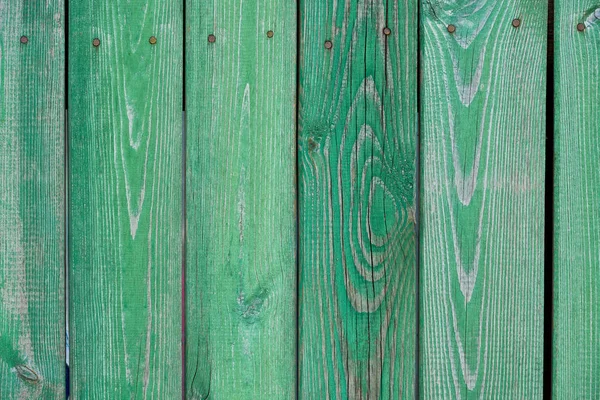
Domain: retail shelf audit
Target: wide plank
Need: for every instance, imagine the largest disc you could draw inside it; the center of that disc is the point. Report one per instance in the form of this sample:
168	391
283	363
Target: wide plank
576	332
356	154
125	228
240	199
32	200
483	157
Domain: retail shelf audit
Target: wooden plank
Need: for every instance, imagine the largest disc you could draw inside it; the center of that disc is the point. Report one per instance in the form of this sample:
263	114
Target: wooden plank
576	355
32	217
125	232
240	191
483	158
356	154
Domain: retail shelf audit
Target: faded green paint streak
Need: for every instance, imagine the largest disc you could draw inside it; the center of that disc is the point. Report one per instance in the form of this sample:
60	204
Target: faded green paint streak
240	258
32	334
576	332
125	138
483	157
357	147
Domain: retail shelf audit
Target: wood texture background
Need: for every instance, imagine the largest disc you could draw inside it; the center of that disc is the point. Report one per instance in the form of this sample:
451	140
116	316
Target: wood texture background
576	357
301	252
32	218
125	232
241	247
356	149
483	161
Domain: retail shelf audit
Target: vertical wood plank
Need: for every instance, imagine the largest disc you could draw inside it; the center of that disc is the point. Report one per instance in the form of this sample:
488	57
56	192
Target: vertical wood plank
576	355
357	147
483	157
240	191
125	102
32	312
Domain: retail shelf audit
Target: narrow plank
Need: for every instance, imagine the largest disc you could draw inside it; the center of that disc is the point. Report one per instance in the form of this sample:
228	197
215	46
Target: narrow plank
32	217
125	230
483	157
356	153
576	355
240	196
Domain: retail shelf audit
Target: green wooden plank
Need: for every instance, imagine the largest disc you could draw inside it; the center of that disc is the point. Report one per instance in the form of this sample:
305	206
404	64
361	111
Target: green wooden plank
32	218
240	196
483	156
357	147
125	231
576	355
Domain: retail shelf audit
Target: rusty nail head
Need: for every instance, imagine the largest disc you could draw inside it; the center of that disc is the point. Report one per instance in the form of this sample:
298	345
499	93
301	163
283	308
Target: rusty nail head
24	39
211	38
152	40
270	34
328	44
516	22
96	42
451	28
387	31
581	27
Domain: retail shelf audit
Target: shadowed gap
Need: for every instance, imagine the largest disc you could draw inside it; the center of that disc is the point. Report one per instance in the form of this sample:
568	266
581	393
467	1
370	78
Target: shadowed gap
66	195
183	207
549	210
297	185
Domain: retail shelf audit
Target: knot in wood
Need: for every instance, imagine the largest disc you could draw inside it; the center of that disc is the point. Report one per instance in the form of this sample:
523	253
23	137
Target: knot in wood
26	374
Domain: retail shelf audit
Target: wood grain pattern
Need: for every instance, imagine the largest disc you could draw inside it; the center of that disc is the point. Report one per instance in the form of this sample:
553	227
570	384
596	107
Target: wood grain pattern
32	312
240	248
576	355
357	147
125	232
483	157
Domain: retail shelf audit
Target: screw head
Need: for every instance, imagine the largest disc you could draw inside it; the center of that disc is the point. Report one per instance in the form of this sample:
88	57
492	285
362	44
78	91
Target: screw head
152	40
212	38
451	28
516	22
24	39
581	27
328	44
96	42
270	34
387	31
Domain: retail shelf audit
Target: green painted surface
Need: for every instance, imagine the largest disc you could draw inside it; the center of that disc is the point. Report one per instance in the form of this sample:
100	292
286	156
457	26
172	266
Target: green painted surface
482	228
576	353
32	334
356	155
240	249
125	230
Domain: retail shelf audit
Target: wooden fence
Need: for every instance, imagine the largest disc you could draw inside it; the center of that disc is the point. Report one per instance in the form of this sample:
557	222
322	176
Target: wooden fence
316	199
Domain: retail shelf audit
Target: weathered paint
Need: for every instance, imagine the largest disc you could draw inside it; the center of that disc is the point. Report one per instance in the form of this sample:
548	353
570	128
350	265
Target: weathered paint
125	230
